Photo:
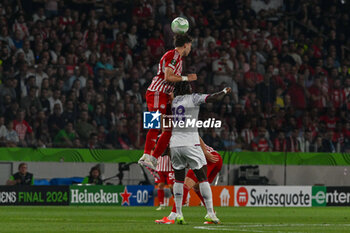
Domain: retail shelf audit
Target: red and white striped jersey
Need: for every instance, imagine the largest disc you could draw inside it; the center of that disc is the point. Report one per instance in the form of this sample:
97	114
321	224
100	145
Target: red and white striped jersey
164	164
173	60
247	135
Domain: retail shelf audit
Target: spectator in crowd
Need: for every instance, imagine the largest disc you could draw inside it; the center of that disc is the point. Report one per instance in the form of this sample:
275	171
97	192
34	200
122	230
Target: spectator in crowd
260	142
280	142
55	99
55	121
118	137
222	69
94	177
8	136
22	177
22	128
66	136
83	127
31	100
93	142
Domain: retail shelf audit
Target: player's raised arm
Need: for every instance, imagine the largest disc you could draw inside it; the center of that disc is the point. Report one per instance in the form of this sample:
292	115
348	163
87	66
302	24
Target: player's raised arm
218	95
171	77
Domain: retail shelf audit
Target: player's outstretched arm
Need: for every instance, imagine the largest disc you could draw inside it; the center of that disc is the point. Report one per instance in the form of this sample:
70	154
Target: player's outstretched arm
171	77
218	95
210	157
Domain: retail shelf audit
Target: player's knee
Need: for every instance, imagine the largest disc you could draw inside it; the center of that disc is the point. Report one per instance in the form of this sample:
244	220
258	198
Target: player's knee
161	186
180	175
189	182
196	187
201	174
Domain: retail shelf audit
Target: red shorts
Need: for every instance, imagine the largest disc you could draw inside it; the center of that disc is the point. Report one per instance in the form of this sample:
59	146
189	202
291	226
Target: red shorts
213	170
157	101
166	177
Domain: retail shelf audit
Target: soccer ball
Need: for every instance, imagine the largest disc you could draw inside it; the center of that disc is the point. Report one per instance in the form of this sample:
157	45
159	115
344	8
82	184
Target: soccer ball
180	25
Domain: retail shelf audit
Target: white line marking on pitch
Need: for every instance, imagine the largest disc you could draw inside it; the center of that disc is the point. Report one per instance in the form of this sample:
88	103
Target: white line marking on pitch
216	228
246	227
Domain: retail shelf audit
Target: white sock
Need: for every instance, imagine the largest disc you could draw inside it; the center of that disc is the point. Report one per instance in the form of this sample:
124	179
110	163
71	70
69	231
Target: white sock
178	193
172	216
205	190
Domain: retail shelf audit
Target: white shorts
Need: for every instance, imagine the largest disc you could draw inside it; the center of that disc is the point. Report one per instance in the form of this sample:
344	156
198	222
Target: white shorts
187	155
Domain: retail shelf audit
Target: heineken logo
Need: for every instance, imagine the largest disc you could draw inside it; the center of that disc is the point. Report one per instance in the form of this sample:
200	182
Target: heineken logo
100	197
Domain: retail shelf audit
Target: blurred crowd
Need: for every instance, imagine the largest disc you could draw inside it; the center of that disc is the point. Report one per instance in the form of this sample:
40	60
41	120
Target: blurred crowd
74	73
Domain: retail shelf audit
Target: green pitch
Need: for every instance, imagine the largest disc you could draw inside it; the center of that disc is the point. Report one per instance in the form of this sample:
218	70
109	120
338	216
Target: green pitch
141	219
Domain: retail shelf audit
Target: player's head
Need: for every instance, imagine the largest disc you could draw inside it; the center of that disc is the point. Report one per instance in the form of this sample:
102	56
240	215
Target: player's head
182	88
184	41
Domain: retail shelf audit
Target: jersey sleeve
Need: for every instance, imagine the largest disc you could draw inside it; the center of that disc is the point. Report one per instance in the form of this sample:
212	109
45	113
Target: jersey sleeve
198	99
170	60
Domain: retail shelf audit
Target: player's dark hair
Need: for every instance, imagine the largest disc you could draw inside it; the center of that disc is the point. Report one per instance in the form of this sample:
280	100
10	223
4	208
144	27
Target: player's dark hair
182	88
181	39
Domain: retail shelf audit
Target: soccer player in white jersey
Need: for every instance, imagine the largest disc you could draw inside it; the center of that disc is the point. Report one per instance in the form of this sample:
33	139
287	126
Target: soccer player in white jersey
185	147
214	164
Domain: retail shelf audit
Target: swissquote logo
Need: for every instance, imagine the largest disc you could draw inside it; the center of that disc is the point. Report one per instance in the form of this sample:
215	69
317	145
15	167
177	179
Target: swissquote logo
151	120
242	196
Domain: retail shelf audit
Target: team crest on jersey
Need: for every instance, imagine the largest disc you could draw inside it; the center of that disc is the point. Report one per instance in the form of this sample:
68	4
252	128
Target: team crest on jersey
173	62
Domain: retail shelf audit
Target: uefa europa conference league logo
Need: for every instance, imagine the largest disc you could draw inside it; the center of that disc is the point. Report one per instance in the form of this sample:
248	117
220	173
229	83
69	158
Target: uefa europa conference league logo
179	120
330	196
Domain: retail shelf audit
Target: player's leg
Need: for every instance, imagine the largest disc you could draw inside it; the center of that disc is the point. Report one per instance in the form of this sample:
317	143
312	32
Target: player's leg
170	181
193	181
152	99
179	164
178	193
206	193
188	184
164	138
212	171
160	191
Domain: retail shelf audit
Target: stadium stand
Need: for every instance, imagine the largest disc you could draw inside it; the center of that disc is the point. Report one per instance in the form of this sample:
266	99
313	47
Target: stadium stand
89	64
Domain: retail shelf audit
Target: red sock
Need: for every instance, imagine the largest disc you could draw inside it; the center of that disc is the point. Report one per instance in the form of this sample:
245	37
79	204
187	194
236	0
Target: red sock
184	198
151	139
198	192
162	144
161	196
185	194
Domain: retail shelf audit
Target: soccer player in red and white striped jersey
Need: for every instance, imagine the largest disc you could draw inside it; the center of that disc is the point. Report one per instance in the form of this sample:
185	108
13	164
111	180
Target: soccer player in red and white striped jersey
166	176
158	95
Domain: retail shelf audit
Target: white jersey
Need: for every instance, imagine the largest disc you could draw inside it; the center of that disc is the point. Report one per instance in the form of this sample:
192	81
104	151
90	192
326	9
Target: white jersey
185	110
